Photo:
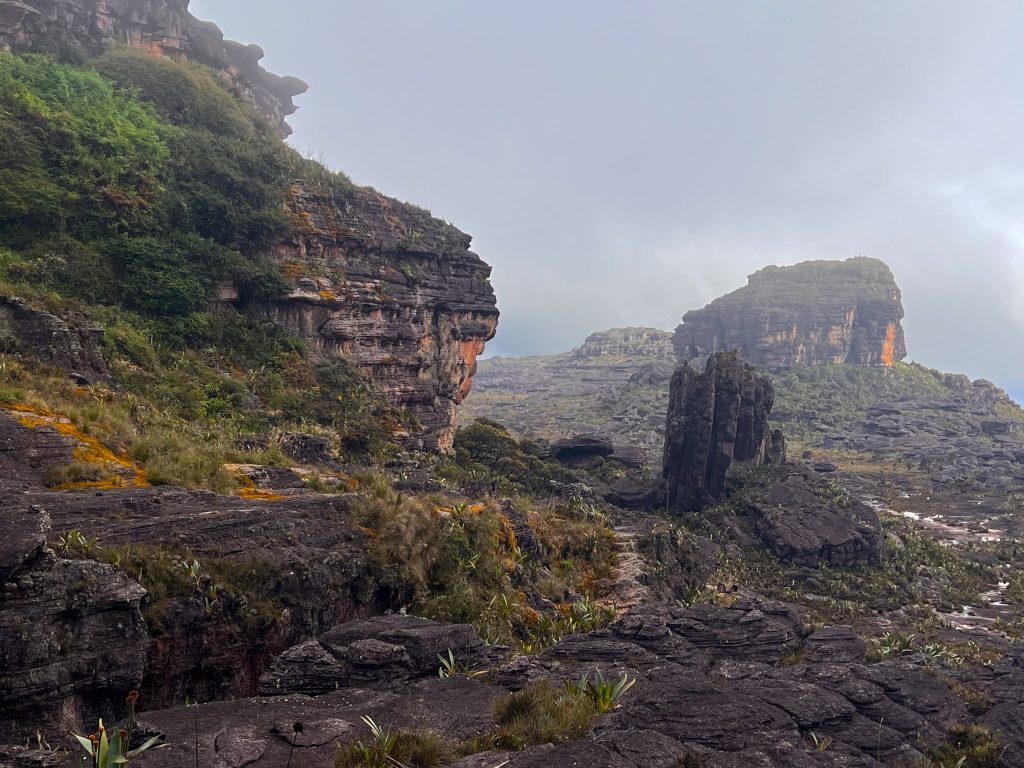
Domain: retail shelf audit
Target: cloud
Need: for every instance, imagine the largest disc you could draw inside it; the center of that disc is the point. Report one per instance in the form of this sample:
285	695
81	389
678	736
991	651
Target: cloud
621	163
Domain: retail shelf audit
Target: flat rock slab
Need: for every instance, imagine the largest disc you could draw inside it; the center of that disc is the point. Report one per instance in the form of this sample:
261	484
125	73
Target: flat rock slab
258	732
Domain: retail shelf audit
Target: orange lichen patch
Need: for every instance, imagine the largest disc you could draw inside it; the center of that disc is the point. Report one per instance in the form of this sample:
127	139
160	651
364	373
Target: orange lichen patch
89	449
258	494
889	345
247	488
293	270
469	350
327	295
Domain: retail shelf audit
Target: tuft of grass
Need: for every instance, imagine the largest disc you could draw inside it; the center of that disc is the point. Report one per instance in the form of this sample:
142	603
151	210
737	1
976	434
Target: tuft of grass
969	746
541	713
388	747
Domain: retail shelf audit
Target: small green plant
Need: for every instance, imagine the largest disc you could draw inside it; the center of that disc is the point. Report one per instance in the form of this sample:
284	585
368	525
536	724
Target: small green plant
605	694
108	750
540	713
449	666
820	744
74	542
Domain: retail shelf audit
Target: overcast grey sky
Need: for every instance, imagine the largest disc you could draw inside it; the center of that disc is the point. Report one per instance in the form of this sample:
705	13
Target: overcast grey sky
619	163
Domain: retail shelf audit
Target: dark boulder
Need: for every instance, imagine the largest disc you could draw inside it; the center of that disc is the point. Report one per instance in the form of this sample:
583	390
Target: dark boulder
633	494
307	449
582	450
835	645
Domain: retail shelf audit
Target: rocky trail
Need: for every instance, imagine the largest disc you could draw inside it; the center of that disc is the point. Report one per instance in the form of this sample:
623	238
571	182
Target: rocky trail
629	584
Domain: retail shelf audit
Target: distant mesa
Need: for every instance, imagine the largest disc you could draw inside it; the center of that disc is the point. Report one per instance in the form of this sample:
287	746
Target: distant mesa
813	313
645	343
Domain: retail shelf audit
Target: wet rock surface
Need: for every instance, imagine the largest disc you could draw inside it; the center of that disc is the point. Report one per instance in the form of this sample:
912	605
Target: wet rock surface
723	704
304	553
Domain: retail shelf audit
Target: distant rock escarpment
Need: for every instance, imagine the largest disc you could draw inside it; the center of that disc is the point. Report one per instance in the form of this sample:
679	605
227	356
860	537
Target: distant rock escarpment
628	343
814	313
717	415
161	27
393	289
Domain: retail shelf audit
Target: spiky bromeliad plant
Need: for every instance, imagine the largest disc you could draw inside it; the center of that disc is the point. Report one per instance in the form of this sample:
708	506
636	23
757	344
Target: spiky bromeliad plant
109	750
605	694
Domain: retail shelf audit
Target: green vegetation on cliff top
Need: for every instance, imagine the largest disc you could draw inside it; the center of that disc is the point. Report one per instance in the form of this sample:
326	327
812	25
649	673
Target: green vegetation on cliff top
130	188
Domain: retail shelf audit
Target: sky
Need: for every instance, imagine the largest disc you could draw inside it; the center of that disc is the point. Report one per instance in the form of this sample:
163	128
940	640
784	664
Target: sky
619	163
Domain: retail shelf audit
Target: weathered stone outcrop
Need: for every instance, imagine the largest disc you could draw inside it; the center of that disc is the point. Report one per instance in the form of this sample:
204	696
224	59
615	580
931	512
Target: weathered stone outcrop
724	703
812	313
811	525
72	639
383	651
716	415
160	27
74	347
393	289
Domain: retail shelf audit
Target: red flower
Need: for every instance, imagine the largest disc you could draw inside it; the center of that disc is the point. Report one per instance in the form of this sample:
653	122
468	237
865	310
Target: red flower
132	697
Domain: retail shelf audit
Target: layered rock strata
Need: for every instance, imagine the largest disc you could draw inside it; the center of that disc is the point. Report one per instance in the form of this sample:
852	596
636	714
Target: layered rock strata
716	415
812	313
160	27
393	289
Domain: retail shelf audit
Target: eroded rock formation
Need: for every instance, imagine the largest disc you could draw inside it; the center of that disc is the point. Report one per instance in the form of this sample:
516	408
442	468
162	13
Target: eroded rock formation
72	639
812	313
805	522
161	27
716	415
73	346
393	289
710	691
376	281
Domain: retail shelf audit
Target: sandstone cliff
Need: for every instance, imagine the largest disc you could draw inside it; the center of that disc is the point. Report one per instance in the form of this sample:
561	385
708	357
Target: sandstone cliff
814	313
375	281
161	27
393	289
